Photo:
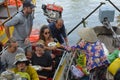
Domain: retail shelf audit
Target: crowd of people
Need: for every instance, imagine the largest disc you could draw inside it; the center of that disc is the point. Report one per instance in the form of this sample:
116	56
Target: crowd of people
20	56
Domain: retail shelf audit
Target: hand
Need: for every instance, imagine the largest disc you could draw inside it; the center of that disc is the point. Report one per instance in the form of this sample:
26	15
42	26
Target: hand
53	48
27	40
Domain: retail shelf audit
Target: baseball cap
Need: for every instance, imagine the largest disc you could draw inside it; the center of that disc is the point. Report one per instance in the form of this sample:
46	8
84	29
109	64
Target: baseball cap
28	4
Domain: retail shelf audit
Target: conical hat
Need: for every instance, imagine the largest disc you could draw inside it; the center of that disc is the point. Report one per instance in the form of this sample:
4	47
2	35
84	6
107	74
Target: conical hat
88	34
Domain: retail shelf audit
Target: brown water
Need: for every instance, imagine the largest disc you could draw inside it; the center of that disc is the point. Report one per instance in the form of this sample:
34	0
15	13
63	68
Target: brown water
74	11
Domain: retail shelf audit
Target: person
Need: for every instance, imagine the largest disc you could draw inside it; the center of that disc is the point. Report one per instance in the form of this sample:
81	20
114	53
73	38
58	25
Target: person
8	56
22	66
22	23
96	59
46	36
58	31
44	60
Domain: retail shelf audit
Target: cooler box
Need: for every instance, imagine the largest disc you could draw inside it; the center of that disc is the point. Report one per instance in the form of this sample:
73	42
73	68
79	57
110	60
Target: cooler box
106	11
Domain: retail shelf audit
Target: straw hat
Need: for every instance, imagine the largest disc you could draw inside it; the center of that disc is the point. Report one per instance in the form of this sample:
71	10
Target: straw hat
20	57
88	34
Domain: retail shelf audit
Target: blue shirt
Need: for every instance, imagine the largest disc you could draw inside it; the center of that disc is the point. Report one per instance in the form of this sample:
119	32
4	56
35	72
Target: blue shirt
59	34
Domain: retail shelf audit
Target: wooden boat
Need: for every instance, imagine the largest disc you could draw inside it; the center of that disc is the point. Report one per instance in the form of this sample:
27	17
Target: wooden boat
104	34
68	58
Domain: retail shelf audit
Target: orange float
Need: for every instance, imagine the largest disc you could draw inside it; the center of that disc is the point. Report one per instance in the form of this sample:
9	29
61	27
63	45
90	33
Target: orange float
34	36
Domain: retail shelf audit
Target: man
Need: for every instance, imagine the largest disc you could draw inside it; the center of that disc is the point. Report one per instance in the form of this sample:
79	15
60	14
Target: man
22	23
58	31
8	56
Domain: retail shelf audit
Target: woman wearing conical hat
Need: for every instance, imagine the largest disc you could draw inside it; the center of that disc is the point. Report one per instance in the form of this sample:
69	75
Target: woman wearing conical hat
96	59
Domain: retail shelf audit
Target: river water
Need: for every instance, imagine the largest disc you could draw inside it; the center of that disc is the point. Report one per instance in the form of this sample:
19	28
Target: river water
73	12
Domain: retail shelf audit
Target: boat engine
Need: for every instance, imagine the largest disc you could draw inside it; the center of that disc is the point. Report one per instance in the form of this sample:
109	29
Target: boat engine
52	11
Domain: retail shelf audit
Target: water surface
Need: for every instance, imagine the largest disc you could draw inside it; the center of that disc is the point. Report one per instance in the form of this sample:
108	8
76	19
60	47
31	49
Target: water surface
74	11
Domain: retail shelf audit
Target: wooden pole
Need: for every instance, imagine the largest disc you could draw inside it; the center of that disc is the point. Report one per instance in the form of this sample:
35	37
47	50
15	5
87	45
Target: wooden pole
7	8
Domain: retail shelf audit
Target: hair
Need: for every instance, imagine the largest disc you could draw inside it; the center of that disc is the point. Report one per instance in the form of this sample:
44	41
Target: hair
41	36
11	40
60	19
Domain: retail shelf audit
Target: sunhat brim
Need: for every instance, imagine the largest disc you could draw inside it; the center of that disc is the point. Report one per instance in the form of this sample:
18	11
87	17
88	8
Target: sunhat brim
88	34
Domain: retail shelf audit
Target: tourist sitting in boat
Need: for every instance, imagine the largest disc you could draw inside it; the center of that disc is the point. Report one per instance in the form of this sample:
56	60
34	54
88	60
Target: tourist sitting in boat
43	60
22	66
96	59
46	36
8	56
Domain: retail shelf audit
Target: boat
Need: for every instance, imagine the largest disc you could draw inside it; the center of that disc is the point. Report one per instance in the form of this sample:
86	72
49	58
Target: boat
68	58
106	34
8	9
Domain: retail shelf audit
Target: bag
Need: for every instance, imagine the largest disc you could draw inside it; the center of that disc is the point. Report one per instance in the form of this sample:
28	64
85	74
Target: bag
113	56
76	72
114	66
81	59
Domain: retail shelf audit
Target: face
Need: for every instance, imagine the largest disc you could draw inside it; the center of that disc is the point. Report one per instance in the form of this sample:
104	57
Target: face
14	46
39	50
30	10
21	66
46	33
59	24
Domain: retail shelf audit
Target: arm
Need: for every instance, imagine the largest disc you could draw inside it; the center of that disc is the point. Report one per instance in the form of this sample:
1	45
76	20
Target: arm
3	62
47	68
11	22
33	74
64	35
7	32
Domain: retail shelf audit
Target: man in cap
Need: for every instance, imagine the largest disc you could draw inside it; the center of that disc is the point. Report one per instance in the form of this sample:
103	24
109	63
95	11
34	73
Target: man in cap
8	56
22	23
22	66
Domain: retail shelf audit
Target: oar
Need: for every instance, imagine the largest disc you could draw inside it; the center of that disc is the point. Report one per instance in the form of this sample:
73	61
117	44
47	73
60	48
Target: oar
113	5
86	18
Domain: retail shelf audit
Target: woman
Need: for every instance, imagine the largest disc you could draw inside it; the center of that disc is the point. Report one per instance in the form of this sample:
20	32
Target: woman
46	36
96	59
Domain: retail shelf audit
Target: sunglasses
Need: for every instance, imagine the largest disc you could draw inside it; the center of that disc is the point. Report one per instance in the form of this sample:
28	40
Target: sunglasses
47	33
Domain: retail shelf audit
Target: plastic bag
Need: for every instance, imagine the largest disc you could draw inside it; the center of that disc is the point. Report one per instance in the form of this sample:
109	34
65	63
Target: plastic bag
76	72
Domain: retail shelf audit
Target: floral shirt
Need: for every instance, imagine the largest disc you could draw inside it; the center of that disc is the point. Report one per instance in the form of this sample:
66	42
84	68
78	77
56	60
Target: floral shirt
94	54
